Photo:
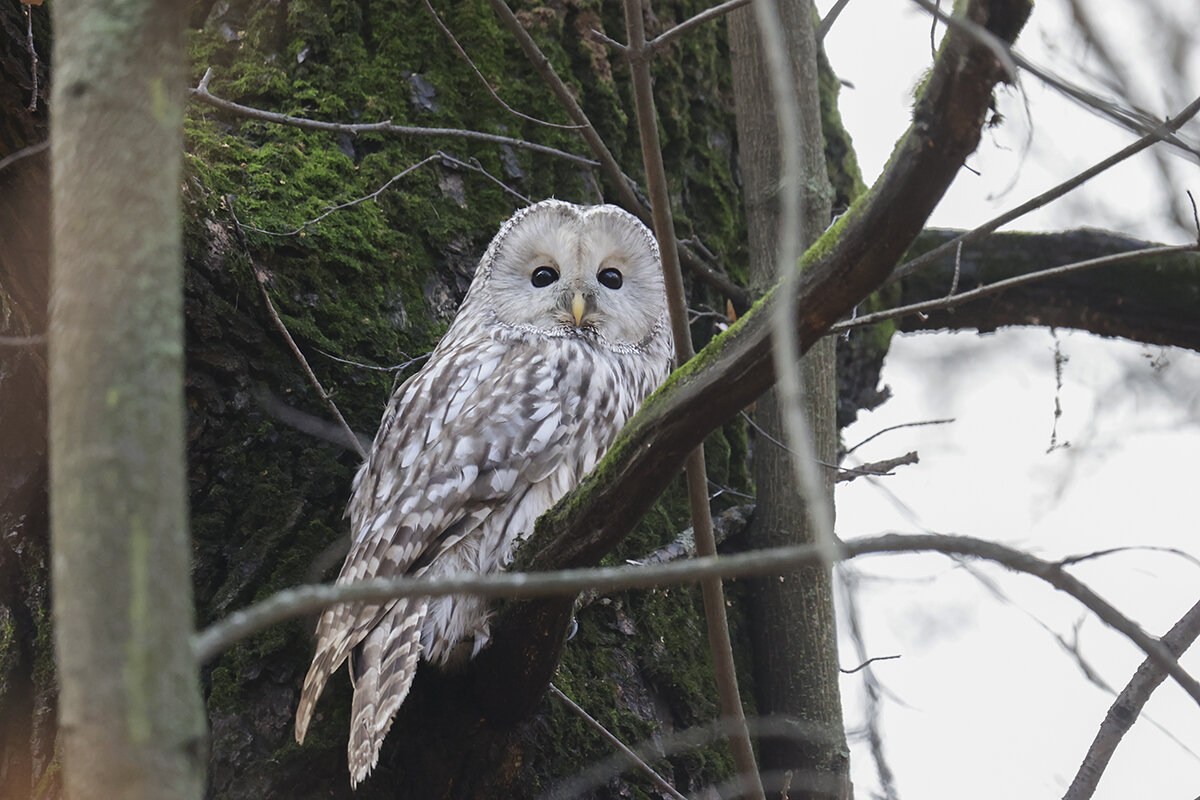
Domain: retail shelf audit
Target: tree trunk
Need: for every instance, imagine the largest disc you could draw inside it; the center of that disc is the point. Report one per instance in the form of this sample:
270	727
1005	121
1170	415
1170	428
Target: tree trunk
795	637
130	710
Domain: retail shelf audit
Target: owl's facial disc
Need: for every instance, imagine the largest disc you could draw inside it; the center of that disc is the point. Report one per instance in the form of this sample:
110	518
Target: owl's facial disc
571	270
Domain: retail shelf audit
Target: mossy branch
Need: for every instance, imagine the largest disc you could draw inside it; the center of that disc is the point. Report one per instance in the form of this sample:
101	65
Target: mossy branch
851	260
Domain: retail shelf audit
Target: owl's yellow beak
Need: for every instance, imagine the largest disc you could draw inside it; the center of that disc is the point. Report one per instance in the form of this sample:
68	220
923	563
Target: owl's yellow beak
577	308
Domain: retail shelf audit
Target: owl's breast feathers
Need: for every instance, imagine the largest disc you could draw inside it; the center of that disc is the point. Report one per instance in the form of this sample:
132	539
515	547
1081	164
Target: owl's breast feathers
471	450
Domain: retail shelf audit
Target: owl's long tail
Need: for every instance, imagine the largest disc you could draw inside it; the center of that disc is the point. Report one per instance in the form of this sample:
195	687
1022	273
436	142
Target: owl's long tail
383	668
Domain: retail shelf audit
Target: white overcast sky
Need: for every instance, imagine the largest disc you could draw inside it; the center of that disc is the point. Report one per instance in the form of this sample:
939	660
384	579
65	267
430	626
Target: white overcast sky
984	701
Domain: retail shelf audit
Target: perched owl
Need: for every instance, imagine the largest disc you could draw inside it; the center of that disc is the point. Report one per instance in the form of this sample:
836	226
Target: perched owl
563	333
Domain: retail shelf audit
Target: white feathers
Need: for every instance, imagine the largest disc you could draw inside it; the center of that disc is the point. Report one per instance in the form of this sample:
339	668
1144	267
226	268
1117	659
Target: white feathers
518	401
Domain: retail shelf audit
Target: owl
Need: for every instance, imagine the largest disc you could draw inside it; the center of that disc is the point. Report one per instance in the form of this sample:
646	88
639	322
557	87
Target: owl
561	336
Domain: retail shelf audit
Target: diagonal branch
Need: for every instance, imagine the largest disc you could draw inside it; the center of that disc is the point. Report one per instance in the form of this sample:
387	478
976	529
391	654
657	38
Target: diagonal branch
668	36
437	18
1051	194
625	186
719	642
1128	706
851	260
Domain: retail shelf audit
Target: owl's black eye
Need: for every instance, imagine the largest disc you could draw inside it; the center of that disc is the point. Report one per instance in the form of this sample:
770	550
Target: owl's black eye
543	276
610	278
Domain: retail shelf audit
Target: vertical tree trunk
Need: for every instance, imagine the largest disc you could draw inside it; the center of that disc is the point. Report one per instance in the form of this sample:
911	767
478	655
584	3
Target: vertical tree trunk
130	710
794	633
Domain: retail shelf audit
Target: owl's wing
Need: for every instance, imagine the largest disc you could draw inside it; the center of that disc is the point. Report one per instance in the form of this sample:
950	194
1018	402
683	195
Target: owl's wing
478	424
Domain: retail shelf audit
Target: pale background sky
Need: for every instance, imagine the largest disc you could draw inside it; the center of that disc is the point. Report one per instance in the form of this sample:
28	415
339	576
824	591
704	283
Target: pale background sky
984	701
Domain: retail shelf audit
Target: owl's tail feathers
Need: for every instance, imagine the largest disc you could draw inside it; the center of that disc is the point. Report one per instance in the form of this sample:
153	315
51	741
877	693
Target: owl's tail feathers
383	669
340	629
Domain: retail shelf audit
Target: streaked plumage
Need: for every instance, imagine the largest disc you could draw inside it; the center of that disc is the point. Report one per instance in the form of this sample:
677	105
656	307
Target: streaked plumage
563	333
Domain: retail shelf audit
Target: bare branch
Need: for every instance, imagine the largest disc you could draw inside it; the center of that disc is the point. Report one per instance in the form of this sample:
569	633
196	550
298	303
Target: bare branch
37	340
891	428
261	277
348	204
1052	194
439	155
691	739
303	600
666	37
1000	49
626	187
307	423
637	760
1128	706
876	468
465	57
24	152
867	663
830	18
999	286
697	475
33	58
202	93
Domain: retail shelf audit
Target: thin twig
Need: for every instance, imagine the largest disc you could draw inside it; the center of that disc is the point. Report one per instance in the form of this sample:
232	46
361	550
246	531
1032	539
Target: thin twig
33	56
1009	283
475	166
302	600
261	277
626	187
668	745
1126	709
308	423
202	93
637	760
874	468
891	428
24	152
1135	121
1098	46
438	156
697	482
933	30
871	684
36	340
463	54
866	664
830	18
403	365
1050	195
348	204
877	469
999	48
666	37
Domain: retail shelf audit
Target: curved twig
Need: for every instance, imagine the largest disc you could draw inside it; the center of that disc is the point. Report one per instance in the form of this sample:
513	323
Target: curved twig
202	94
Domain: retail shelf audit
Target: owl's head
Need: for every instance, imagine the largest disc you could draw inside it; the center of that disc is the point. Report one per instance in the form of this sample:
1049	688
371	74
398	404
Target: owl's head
566	270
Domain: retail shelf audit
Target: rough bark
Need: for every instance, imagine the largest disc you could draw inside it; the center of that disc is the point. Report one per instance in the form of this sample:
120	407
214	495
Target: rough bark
794	635
130	712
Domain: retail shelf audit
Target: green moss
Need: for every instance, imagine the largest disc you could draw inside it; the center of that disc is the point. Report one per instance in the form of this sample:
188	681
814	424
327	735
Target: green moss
376	281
